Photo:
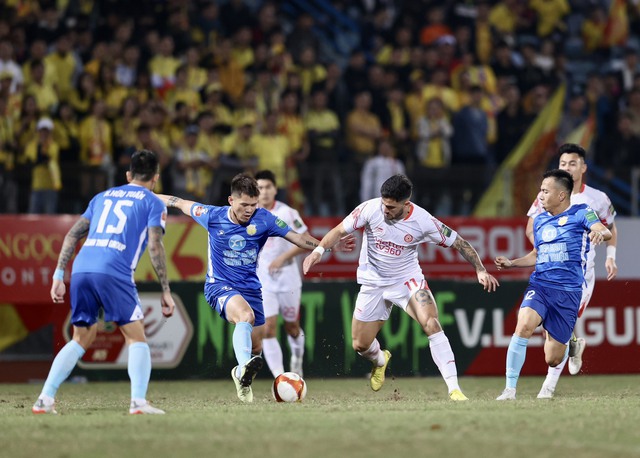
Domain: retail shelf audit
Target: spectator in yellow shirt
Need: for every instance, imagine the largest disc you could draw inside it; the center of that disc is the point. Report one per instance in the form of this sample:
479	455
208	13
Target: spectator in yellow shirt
182	92
163	65
550	14
273	150
95	137
64	66
46	181
66	133
363	129
42	90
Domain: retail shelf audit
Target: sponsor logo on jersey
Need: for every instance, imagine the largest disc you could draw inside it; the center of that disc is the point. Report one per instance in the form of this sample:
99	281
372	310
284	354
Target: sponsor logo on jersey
199	211
297	224
591	216
549	233
237	242
562	221
280	223
408	238
251	229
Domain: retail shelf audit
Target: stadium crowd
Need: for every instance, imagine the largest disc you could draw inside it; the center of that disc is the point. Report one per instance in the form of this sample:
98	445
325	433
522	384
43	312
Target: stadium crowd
314	91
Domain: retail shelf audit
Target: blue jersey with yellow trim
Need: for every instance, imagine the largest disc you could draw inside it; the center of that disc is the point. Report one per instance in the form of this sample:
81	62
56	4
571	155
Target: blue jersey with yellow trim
562	243
119	219
234	248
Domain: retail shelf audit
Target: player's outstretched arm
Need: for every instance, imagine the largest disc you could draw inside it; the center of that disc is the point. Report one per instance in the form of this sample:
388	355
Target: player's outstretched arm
177	202
159	263
333	237
610	262
487	280
526	261
78	231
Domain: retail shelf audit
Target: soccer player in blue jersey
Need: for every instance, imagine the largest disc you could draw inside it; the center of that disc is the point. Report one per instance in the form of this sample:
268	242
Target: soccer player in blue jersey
237	232
563	235
118	224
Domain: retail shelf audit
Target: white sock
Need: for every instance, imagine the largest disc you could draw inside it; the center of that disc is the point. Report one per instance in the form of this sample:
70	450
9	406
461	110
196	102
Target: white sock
374	354
297	345
443	357
272	353
139	401
46	399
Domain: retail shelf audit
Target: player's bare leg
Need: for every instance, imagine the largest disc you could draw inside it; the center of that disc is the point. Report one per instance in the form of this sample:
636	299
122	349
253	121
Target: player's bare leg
363	340
62	365
552	350
422	308
295	337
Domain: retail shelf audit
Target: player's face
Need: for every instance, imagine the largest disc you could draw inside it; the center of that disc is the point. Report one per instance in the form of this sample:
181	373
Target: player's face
394	210
267	193
573	163
551	195
243	207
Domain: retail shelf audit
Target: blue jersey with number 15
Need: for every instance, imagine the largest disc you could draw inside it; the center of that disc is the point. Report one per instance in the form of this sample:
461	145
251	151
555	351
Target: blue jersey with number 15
119	219
562	244
234	248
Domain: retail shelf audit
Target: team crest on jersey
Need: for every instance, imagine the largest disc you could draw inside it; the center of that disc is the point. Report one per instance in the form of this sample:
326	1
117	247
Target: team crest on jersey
237	243
199	211
562	221
251	229
280	223
408	238
549	233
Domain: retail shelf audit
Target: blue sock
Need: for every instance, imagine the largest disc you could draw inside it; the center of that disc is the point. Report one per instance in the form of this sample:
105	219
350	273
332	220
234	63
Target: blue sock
139	367
62	366
242	343
515	359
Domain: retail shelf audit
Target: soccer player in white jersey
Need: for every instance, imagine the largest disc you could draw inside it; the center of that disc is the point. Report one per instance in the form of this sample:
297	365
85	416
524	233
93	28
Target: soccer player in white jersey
389	274
118	222
572	160
279	274
563	235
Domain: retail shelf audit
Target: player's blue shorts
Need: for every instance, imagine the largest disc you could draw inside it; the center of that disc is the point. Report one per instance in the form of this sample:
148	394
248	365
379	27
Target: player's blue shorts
558	309
92	291
218	294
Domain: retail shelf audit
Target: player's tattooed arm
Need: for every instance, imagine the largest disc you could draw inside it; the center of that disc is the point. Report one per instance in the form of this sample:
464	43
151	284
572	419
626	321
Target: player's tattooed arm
158	257
469	253
177	202
78	231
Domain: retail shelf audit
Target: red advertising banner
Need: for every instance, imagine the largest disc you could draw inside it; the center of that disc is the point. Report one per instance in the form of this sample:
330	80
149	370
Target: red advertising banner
610	325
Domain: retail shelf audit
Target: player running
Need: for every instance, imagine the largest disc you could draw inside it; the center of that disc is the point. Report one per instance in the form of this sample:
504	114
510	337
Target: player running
572	160
563	235
119	222
237	232
389	274
279	274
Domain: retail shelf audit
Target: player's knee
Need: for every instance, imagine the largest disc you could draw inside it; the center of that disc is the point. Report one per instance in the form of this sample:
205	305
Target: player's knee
553	360
432	326
524	330
246	316
292	328
359	345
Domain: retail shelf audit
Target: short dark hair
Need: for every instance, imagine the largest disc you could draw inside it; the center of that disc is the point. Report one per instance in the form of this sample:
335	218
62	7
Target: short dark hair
244	184
144	165
562	177
572	148
266	175
398	188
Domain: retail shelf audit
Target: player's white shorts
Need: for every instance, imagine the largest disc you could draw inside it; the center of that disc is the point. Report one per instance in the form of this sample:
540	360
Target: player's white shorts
286	304
587	289
374	303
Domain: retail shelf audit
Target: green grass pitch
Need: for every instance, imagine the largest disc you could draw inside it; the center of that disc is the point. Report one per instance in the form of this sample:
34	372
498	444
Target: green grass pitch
591	416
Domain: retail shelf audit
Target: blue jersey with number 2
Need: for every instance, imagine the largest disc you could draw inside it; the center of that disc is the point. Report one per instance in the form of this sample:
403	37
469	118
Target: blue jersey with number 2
562	243
234	248
119	218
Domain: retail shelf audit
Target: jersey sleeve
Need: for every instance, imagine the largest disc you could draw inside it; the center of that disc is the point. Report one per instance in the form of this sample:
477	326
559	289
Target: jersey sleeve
607	212
588	217
157	214
436	232
358	217
88	213
200	213
275	226
297	225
